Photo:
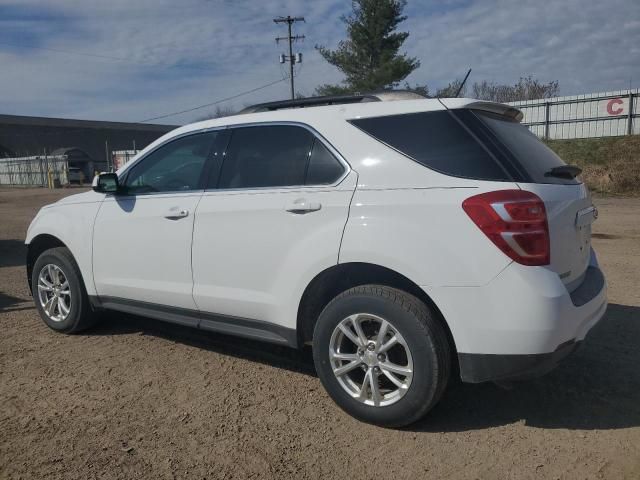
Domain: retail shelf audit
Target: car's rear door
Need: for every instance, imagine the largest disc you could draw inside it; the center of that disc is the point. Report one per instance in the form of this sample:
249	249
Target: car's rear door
142	236
271	218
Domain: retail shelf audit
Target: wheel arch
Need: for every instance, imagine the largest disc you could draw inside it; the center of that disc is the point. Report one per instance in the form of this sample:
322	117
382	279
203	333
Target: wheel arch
36	246
338	278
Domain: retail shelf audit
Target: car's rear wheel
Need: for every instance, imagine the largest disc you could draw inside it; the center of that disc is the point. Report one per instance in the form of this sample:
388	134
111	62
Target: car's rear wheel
381	354
59	292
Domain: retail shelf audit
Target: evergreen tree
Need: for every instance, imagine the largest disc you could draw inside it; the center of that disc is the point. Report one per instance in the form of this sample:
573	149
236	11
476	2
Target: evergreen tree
369	58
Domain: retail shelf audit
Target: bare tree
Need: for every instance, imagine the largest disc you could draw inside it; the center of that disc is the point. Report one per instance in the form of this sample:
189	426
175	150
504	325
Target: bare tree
527	88
451	90
418	88
219	112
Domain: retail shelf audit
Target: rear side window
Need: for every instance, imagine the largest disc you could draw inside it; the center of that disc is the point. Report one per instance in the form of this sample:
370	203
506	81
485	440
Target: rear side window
276	156
436	140
269	156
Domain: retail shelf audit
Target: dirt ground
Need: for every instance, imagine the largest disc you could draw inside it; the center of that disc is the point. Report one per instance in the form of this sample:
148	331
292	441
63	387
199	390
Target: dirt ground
136	398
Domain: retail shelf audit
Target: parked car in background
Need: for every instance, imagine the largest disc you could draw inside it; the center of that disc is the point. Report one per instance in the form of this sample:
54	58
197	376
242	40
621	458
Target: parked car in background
75	175
405	239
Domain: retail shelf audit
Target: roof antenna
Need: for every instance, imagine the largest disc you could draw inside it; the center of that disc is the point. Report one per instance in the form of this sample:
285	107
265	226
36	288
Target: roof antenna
462	84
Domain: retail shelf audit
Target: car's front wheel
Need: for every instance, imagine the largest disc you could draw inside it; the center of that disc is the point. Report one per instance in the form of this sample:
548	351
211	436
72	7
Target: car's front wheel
59	293
381	354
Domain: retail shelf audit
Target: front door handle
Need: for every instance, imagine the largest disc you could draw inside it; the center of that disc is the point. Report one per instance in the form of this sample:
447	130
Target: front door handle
302	206
175	213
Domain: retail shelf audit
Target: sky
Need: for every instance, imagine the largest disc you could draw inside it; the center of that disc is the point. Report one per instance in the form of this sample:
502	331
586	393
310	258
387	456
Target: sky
132	60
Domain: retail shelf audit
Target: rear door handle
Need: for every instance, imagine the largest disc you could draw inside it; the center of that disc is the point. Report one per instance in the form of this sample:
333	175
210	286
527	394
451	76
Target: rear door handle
302	206
175	213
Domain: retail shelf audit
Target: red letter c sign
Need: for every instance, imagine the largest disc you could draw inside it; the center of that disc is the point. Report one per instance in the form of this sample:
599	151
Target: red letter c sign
612	108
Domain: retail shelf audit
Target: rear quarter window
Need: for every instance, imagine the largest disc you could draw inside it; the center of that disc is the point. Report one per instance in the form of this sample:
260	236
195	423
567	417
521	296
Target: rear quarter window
323	168
436	140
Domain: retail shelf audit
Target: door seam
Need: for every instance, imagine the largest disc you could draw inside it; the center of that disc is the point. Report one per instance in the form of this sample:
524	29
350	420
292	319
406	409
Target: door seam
344	228
93	235
193	229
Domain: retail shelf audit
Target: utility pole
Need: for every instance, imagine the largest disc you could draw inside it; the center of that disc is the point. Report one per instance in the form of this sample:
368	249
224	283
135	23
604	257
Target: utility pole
106	154
289	20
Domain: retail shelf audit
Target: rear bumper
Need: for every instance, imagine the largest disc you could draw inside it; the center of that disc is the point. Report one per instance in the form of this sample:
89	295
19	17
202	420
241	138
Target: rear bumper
522	323
479	367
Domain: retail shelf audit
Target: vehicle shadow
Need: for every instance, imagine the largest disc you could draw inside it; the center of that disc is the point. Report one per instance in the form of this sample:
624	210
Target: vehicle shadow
14	304
126	203
13	253
270	354
596	388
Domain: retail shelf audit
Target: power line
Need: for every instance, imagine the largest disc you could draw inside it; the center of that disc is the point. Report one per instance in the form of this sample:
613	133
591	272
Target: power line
216	102
289	20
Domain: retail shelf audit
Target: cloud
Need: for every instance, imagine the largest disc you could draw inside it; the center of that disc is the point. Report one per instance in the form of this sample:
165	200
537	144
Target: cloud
580	43
177	55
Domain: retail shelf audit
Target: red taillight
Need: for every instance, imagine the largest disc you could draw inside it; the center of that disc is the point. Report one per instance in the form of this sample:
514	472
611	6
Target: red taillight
516	221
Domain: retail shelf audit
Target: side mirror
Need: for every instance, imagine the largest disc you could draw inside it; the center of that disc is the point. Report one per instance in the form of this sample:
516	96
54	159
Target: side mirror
106	183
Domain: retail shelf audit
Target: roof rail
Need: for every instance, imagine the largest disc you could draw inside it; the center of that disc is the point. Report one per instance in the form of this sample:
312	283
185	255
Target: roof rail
384	96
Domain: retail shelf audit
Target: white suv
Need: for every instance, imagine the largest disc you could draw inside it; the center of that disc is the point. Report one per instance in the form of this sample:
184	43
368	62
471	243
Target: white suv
404	240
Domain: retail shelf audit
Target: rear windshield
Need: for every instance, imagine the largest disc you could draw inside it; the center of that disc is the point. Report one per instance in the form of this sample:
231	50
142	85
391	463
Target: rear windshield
468	144
527	150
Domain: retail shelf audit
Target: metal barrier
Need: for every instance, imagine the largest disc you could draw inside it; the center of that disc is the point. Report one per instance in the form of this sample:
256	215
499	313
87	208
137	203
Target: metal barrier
45	171
594	115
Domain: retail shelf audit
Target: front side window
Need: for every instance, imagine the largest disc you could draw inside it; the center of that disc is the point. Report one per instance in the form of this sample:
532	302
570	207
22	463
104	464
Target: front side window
174	167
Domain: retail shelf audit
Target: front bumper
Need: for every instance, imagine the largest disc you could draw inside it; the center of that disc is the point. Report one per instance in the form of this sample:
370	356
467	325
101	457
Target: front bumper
522	323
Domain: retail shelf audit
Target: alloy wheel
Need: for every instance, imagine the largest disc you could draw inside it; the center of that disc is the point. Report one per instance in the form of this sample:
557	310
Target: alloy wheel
371	359
54	293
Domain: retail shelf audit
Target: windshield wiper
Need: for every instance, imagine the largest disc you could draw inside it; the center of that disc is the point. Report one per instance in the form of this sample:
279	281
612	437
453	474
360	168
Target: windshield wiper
564	171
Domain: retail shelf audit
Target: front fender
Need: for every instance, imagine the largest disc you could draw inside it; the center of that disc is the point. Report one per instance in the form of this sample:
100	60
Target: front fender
71	224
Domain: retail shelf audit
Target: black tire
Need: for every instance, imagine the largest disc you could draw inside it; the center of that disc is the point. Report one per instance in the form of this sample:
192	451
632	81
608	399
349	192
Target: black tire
423	334
80	315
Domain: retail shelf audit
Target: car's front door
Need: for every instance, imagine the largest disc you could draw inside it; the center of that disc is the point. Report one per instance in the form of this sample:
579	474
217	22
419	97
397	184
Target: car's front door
142	236
271	218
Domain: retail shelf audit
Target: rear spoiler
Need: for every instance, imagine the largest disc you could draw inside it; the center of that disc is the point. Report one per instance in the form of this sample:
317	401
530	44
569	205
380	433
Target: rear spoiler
497	108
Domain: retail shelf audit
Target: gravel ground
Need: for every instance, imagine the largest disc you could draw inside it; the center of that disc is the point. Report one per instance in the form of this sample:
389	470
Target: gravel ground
140	399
